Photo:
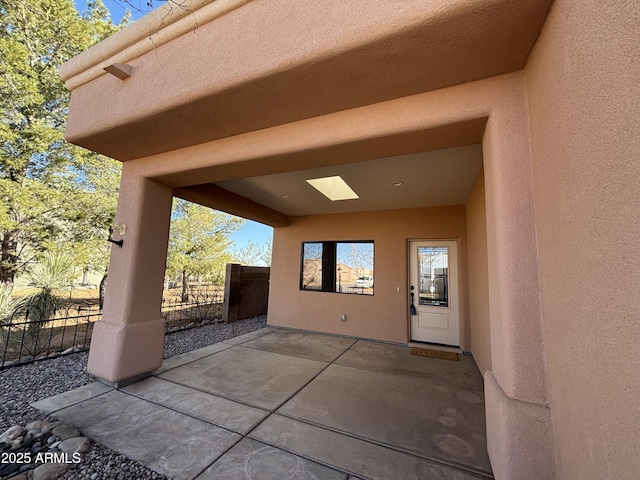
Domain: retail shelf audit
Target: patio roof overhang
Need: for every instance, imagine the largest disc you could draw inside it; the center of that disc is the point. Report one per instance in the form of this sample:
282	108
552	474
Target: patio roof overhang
221	68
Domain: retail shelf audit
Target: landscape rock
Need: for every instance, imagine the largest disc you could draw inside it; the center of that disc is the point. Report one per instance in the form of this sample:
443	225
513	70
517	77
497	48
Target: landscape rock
8	468
50	471
49	426
11	434
24	384
27	441
75	445
36	425
64	431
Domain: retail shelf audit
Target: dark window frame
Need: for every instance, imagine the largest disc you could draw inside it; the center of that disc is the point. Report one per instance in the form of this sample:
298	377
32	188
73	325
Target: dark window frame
329	266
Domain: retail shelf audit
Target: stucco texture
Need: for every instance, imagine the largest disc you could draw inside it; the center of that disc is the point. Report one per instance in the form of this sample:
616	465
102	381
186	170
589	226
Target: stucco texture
480	328
220	102
383	316
494	110
272	62
128	340
583	82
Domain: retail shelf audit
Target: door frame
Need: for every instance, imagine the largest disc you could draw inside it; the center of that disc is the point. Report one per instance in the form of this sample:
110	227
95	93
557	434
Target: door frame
457	290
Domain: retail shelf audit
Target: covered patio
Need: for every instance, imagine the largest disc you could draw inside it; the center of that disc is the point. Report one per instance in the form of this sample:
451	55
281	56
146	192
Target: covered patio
288	404
228	102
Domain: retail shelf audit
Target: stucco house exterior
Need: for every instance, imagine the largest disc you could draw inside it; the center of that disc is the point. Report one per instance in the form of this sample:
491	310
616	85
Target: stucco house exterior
504	133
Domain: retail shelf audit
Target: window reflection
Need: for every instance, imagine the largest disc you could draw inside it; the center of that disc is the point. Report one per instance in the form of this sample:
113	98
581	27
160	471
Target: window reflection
355	268
350	264
312	266
433	271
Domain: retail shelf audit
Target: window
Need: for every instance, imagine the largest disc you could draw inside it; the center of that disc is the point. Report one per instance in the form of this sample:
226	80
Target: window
340	267
311	266
433	268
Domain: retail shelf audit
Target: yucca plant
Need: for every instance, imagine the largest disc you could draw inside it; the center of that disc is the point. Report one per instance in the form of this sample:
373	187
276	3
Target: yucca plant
7	307
48	277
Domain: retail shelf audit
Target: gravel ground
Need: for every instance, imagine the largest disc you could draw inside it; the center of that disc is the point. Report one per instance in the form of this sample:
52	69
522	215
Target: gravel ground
21	385
188	340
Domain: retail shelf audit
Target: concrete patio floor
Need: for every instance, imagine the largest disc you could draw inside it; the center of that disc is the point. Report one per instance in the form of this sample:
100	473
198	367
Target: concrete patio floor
285	404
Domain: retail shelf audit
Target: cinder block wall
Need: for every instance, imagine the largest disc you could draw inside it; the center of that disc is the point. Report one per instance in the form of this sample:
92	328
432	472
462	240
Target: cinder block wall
246	292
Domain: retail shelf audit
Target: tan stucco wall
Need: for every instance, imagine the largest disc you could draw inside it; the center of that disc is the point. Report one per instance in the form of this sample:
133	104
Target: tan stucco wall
480	330
273	62
494	111
382	316
128	340
583	82
560	145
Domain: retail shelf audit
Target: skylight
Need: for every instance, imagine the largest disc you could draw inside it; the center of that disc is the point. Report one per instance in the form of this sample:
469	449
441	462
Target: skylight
334	188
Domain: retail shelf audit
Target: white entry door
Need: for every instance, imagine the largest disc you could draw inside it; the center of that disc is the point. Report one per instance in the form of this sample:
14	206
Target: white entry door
433	267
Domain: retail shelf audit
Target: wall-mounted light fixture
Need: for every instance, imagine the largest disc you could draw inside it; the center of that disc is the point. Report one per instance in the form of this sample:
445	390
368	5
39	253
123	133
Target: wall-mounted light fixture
117	242
121	228
120	70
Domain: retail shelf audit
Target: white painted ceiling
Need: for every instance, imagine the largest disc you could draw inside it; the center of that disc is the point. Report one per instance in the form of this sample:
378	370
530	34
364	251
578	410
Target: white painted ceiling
441	177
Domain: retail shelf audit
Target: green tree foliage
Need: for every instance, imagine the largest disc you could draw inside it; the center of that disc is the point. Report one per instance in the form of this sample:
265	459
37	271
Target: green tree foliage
199	242
94	188
43	179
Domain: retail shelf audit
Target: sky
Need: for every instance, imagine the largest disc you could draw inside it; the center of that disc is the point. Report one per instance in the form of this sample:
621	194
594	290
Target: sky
251	231
117	8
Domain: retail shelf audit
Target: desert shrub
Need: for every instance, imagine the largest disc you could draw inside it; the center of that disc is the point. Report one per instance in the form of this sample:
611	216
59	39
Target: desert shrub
24	326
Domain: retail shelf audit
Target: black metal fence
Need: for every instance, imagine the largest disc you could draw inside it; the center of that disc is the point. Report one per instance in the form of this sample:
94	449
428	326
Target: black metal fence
202	308
26	337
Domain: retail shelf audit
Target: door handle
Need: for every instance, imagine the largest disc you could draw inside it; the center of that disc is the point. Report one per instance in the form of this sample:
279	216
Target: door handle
412	307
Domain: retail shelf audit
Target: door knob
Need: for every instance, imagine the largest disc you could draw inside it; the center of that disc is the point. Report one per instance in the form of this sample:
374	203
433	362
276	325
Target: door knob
412	307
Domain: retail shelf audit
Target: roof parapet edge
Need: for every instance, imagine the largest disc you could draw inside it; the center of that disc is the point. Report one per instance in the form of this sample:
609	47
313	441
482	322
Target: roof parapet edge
154	29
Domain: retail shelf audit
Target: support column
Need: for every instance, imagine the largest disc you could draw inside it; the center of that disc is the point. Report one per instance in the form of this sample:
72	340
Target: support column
519	433
128	341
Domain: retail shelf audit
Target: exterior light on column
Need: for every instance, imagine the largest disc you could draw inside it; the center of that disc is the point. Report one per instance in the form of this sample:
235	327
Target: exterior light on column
116	242
120	227
120	70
